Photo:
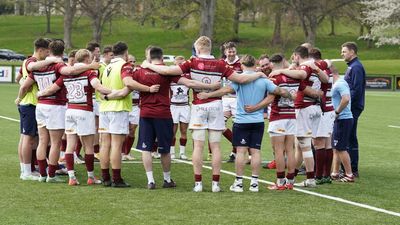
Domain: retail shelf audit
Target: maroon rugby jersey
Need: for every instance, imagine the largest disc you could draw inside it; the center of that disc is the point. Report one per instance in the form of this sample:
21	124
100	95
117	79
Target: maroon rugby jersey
79	90
44	78
326	87
155	105
303	101
205	69
283	108
235	65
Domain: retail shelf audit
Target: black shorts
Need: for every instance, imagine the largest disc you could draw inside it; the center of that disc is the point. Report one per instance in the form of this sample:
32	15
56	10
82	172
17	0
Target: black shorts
248	135
27	117
152	128
341	134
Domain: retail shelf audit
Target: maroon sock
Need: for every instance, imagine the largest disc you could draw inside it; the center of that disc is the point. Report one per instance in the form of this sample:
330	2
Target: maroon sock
47	151
290	176
69	160
310	175
234	150
328	162
63	145
78	147
128	144
33	160
182	141
116	175
280	175
215	177
96	148
123	146
155	146
52	170
105	173
320	161
197	177
89	162
173	142
296	171
228	135
42	167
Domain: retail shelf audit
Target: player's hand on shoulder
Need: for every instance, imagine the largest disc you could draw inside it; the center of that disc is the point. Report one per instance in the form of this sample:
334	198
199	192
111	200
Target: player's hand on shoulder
274	73
154	88
94	65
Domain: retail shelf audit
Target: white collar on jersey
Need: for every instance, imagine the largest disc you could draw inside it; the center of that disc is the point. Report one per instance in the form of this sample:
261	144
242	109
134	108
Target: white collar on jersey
206	56
234	61
79	64
52	57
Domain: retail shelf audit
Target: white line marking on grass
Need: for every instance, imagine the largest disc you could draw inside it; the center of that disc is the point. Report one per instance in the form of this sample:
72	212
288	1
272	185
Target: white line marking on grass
303	191
365	206
393	126
8	118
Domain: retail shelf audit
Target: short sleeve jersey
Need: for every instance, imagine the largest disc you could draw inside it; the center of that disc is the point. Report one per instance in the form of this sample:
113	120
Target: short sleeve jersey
155	105
46	77
340	88
205	69
283	108
303	101
79	90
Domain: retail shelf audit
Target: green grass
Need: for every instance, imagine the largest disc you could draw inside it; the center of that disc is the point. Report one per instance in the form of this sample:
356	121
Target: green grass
29	202
19	32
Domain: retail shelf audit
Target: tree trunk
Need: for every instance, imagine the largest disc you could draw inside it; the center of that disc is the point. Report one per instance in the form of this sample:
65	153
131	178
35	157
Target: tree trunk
312	33
69	13
207	18
332	33
361	30
97	29
277	37
253	19
48	6
17	8
236	18
369	40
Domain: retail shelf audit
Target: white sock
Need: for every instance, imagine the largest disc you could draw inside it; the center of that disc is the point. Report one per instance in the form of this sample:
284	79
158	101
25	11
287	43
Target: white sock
71	173
90	174
198	183
150	178
21	167
62	154
75	155
27	169
167	176
172	150
182	150
215	183
254	179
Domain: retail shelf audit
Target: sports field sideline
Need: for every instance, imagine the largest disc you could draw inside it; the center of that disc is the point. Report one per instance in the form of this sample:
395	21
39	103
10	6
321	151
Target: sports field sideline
25	202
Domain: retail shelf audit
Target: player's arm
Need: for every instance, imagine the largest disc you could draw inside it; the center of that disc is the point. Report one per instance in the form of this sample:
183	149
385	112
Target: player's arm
283	92
322	76
295	74
264	103
197	84
40	64
19	76
242	79
134	85
218	93
78	69
96	84
344	101
312	92
163	70
24	89
49	91
117	94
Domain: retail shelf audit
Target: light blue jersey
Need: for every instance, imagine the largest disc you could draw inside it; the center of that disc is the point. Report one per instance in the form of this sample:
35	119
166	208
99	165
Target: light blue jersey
251	94
340	88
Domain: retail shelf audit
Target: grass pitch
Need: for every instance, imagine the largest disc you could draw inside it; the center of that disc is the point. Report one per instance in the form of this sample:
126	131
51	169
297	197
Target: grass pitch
29	202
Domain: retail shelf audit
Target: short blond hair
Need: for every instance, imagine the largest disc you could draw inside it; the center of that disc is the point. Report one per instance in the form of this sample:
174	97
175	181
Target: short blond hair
82	54
248	60
203	43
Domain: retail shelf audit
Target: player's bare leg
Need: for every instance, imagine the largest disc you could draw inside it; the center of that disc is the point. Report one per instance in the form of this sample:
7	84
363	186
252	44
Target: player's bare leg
44	139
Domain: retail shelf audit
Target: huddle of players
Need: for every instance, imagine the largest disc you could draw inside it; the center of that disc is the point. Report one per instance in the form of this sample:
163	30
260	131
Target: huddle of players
57	83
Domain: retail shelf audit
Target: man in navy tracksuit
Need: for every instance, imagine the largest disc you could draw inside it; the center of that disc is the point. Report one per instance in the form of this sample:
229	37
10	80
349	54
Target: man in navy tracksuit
355	77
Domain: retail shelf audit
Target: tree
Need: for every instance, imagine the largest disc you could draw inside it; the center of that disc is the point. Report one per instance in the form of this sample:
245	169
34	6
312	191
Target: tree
207	8
48	6
99	11
383	21
236	18
68	8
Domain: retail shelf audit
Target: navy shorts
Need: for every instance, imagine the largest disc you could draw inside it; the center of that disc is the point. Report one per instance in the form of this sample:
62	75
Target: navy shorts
341	134
248	135
27	117
151	129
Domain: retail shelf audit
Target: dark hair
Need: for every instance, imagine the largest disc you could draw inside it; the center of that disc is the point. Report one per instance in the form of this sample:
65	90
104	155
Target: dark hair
263	56
248	60
229	44
301	51
107	49
277	58
120	48
315	53
41	43
156	53
91	46
72	53
351	46
57	47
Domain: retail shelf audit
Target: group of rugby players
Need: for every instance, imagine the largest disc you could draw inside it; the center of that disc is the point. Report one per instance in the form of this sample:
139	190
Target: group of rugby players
99	104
